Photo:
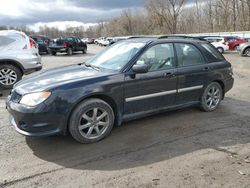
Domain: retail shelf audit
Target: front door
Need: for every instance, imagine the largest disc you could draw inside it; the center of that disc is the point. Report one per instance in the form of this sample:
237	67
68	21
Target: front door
155	89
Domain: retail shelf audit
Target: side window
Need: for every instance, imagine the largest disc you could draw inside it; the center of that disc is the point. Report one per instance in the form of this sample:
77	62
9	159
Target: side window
231	39
39	41
214	54
158	57
5	41
188	55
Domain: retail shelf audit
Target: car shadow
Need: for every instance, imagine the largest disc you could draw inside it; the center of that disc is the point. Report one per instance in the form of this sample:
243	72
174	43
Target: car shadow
75	54
4	92
152	139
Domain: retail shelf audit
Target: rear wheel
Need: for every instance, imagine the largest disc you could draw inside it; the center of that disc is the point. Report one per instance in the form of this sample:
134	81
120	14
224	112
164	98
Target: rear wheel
53	52
9	75
84	50
247	52
91	121
69	51
211	97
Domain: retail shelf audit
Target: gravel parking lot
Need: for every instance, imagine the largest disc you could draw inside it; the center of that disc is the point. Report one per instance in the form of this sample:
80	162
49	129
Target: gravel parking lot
184	148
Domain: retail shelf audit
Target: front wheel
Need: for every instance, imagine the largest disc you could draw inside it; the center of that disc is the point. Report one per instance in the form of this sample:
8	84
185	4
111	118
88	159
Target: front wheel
69	51
211	97
247	52
221	50
91	121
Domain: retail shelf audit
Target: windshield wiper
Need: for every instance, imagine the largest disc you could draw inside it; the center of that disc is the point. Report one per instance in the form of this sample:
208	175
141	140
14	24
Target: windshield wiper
93	67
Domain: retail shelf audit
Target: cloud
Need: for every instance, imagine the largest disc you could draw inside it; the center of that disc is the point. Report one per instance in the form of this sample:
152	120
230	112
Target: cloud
31	12
61	25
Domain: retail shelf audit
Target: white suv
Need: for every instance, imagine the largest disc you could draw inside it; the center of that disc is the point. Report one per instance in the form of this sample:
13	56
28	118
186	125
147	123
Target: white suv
18	56
219	43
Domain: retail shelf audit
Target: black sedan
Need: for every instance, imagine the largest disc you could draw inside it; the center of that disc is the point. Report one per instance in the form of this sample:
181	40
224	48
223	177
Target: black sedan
131	79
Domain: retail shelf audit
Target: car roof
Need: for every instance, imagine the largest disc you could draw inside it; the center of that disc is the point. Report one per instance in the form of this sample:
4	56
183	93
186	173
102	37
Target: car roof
167	39
39	36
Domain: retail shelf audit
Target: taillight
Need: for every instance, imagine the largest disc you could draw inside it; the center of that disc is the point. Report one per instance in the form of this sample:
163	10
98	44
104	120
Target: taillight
32	43
65	44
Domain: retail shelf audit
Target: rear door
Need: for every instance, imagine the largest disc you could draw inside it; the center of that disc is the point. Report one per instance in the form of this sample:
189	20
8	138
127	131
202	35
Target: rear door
193	72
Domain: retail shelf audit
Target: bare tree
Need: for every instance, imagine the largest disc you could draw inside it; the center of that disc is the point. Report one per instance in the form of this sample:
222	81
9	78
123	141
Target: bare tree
166	11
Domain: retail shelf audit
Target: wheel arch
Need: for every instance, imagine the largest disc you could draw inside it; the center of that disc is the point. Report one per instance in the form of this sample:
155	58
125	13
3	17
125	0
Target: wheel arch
221	84
244	50
14	63
103	97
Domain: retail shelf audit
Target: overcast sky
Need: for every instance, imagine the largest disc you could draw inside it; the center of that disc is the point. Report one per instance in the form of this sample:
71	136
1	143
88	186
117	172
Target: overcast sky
61	12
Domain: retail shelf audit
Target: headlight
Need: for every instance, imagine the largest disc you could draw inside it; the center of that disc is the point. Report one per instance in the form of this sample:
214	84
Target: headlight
33	99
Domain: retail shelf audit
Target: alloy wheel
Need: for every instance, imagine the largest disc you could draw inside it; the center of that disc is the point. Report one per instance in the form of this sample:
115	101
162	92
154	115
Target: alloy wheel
8	76
213	97
93	123
247	52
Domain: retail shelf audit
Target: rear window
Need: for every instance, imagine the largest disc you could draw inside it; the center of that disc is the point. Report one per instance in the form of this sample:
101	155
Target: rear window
5	41
214	54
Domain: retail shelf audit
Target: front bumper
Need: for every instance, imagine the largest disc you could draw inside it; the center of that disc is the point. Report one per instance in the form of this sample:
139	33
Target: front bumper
37	121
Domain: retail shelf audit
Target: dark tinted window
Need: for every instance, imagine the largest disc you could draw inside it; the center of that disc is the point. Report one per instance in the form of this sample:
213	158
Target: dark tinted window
214	54
158	57
188	55
231	39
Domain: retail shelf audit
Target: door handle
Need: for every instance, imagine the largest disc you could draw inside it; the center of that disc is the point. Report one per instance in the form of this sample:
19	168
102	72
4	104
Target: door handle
206	69
168	74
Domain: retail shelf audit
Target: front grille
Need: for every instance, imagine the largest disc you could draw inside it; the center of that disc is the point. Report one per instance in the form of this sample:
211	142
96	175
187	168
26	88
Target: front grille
15	97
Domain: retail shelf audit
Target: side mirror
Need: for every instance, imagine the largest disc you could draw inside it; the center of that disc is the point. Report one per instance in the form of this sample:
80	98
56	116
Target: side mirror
140	69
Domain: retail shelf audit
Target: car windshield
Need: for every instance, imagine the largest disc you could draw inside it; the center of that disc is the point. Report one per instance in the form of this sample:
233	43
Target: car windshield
116	56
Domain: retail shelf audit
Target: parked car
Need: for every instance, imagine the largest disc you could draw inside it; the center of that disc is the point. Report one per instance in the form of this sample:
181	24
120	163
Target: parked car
18	56
68	45
247	39
84	40
233	42
98	41
43	43
244	49
130	79
89	40
219	43
104	42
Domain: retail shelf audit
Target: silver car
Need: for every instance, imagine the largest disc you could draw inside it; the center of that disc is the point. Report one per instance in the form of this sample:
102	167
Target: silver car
18	56
244	49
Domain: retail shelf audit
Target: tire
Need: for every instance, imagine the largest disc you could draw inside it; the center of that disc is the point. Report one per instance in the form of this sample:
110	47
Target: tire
69	51
214	93
247	52
84	50
84	123
220	49
53	52
9	75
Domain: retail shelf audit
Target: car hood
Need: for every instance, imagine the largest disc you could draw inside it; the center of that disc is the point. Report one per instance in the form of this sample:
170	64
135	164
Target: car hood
48	79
